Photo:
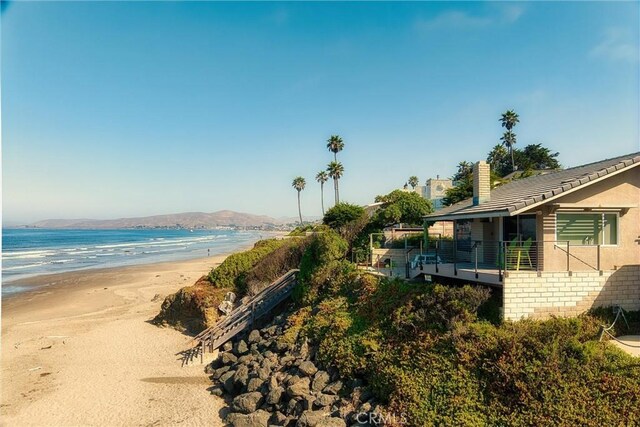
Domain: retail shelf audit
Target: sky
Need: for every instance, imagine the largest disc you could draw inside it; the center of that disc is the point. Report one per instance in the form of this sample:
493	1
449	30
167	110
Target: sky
116	109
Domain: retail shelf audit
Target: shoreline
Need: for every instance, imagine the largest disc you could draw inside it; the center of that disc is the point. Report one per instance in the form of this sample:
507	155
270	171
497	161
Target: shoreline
24	278
78	349
48	280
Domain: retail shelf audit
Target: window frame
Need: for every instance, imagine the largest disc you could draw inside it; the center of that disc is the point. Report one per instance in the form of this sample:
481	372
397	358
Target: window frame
594	212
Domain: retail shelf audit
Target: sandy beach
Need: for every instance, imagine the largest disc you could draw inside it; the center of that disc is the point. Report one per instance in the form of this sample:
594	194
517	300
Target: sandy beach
80	351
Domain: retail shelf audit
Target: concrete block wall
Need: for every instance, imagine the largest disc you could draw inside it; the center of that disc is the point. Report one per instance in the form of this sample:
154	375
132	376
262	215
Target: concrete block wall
543	294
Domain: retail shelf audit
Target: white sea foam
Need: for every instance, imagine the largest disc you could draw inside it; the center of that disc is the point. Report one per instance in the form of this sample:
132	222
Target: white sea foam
20	267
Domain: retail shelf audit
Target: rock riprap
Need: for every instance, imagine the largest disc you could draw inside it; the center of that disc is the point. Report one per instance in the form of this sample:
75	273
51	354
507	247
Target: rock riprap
269	382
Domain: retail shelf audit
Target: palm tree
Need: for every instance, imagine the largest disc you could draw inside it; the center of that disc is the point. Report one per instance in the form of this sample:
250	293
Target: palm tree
335	145
322	177
508	140
299	184
413	181
336	170
509	119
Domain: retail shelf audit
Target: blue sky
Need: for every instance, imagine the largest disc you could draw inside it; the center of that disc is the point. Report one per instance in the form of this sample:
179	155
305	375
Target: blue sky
116	109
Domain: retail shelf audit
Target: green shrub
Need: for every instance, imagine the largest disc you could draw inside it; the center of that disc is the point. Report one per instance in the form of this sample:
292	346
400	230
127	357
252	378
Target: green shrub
323	248
282	259
342	214
425	353
230	273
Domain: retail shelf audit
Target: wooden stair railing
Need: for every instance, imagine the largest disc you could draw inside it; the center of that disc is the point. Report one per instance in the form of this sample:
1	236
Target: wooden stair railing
241	318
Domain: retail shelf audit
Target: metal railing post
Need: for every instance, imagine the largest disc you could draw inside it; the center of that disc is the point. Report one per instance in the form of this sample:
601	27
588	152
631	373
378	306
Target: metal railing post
476	248
598	262
437	244
502	262
455	257
568	260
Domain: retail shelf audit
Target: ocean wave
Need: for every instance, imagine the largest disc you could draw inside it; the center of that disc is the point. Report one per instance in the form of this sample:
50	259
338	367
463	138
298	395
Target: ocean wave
27	254
20	267
61	261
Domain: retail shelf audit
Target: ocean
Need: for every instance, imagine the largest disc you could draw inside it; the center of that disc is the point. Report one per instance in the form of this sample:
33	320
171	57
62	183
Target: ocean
31	252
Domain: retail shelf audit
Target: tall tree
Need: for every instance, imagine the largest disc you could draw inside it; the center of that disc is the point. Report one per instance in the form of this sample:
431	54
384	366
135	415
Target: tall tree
509	119
463	181
336	170
509	140
413	181
535	156
299	183
335	145
322	177
499	160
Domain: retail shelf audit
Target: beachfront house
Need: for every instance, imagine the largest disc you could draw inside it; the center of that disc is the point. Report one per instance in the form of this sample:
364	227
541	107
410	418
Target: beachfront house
558	243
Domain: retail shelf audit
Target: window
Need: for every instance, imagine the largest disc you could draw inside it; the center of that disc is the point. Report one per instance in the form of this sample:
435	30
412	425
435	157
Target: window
587	228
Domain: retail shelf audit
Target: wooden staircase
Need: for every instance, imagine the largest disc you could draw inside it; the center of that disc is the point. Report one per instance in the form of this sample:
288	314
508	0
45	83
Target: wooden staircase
241	318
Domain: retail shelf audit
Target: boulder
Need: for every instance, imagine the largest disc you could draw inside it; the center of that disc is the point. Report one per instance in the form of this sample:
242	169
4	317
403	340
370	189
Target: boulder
282	346
254	384
320	380
247	403
241	377
228	358
217	390
254	336
246	359
274	396
264	373
308	368
333	388
259	418
324	400
273	382
241	348
227	382
331	422
227	346
278	419
311	418
287	360
218	372
299	388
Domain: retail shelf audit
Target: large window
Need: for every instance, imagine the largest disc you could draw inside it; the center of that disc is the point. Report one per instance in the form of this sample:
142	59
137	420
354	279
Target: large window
587	228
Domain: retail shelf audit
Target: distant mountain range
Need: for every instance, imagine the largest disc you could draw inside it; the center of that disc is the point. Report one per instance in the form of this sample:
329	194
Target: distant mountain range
189	220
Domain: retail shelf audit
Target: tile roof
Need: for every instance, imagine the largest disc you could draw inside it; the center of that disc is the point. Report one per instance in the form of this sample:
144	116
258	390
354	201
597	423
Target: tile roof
510	198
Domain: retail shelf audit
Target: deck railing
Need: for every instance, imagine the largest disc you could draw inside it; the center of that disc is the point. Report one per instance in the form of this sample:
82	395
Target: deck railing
527	255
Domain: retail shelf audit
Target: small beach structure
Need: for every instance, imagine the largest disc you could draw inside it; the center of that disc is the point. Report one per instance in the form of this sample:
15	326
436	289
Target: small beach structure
558	243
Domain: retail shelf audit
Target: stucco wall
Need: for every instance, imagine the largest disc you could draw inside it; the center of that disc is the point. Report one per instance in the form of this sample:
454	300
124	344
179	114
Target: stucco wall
619	190
540	295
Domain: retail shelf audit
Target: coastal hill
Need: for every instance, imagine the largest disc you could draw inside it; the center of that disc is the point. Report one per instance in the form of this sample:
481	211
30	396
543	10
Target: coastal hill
224	218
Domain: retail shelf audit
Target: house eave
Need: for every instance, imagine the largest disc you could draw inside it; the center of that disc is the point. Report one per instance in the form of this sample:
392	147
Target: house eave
552	195
453	217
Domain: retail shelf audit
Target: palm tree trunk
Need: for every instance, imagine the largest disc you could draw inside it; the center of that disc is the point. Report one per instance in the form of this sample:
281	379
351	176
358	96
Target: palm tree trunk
335	191
322	196
513	163
338	190
299	210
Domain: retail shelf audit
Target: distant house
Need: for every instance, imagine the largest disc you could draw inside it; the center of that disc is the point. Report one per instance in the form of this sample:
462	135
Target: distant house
558	243
435	190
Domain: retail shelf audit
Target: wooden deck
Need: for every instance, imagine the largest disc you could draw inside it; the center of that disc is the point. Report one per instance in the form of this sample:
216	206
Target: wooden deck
463	271
241	318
